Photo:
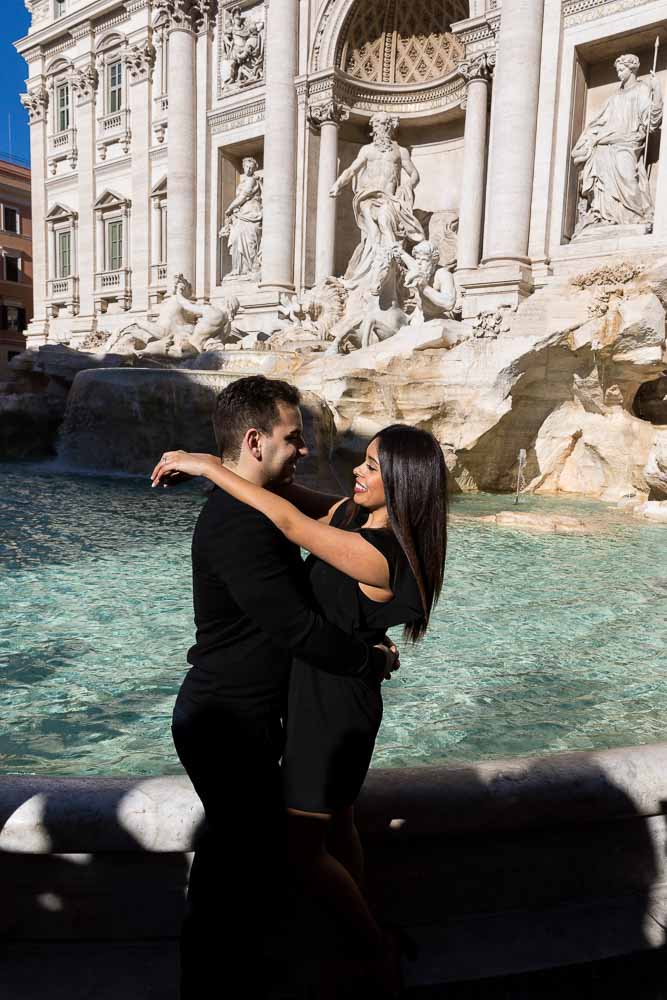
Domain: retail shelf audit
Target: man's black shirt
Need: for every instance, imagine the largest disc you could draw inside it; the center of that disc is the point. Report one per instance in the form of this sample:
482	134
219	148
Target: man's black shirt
253	612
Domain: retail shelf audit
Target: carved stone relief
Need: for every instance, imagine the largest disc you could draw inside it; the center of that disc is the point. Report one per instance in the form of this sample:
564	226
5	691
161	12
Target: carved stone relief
242	48
36	103
140	60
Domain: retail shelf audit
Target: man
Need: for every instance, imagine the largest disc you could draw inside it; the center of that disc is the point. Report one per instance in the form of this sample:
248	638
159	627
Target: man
252	612
385	178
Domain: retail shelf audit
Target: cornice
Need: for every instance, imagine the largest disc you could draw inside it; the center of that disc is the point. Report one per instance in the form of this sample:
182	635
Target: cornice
243	114
576	12
52	34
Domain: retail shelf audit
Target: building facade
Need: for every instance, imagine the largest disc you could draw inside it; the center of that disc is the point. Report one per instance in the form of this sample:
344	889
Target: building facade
203	138
15	260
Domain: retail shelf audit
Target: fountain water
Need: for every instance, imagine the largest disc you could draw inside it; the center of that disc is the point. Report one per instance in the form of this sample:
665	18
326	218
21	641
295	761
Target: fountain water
520	478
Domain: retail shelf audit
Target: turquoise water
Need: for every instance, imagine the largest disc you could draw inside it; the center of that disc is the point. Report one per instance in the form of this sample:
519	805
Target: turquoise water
541	643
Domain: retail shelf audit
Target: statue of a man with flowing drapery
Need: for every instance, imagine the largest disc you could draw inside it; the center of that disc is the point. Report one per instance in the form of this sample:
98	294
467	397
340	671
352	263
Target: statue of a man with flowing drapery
385	179
614	183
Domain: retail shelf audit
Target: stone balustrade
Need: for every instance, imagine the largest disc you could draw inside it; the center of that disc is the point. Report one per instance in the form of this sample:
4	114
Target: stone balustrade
494	867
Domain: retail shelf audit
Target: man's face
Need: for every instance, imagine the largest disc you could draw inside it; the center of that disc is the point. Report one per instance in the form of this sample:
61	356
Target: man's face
284	446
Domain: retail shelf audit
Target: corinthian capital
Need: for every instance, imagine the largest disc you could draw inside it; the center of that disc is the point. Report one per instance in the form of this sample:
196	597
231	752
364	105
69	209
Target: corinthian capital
84	83
191	15
327	111
36	102
140	60
479	68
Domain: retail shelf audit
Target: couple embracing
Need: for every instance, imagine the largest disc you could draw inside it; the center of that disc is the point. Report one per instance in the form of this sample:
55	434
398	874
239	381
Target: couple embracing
277	717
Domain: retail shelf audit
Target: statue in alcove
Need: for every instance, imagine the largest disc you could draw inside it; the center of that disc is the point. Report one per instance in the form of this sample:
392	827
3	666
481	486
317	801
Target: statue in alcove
614	184
384	179
243	225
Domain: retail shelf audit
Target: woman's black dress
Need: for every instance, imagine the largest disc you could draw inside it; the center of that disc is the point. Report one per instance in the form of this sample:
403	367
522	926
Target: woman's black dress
332	720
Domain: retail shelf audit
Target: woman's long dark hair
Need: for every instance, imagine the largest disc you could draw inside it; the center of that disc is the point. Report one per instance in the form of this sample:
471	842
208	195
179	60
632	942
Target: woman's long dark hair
414	476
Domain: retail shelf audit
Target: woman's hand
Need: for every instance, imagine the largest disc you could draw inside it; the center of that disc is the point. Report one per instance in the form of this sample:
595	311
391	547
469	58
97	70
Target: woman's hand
192	463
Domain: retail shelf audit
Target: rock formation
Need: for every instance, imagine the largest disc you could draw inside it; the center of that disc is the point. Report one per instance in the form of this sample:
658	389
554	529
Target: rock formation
558	378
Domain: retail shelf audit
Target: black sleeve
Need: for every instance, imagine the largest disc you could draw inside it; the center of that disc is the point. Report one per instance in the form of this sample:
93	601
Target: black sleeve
263	587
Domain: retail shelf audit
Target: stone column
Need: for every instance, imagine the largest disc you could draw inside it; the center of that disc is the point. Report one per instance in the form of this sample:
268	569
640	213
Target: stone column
182	156
327	117
139	63
84	85
203	193
50	251
36	101
156	220
514	125
477	73
99	241
280	135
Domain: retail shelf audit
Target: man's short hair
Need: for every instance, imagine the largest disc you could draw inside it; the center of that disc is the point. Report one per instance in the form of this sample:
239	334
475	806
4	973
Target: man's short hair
249	402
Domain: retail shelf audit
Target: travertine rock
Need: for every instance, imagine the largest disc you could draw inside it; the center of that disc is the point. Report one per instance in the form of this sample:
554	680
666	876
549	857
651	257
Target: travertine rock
561	524
655	471
652	510
557	383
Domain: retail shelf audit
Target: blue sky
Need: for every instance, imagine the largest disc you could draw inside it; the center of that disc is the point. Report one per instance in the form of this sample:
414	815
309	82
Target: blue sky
13	73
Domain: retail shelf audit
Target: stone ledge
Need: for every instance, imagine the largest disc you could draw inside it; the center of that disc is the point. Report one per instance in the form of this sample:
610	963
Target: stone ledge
82	815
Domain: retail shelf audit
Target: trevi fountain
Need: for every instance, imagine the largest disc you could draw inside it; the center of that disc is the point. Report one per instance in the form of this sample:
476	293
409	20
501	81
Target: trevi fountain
446	213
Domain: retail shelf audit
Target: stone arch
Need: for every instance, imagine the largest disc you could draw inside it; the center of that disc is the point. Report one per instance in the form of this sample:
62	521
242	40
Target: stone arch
389	41
111	40
58	65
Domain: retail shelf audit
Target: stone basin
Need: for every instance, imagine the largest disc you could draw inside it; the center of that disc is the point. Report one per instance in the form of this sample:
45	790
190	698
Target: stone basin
493	868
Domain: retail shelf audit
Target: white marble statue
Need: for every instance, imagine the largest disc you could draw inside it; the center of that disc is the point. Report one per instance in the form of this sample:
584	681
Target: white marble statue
243	50
243	226
182	328
614	188
433	286
384	179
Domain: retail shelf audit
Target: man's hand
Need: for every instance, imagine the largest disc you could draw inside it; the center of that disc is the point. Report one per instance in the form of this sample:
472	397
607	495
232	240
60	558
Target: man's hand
392	657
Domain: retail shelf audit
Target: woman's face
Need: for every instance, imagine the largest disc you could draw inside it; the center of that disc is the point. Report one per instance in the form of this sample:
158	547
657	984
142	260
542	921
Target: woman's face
368	485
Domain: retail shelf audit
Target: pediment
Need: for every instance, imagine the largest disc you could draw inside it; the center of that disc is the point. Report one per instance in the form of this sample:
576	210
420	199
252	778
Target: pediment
160	187
111	199
60	213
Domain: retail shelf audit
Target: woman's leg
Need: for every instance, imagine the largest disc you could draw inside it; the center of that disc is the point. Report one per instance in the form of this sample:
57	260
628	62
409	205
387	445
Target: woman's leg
327	878
343	842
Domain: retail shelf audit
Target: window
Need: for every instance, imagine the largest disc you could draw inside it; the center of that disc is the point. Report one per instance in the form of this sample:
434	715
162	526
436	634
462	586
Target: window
115	246
60	7
115	71
62	97
15	319
10	221
12	269
64	262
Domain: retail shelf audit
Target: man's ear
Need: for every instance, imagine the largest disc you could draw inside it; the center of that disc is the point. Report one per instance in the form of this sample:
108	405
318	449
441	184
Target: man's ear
252	441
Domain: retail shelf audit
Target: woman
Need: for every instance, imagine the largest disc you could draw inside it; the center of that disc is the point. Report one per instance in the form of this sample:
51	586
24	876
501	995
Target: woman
376	560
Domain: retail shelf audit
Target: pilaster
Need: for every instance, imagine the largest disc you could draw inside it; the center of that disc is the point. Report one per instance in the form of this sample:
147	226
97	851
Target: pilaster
36	102
139	62
84	87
